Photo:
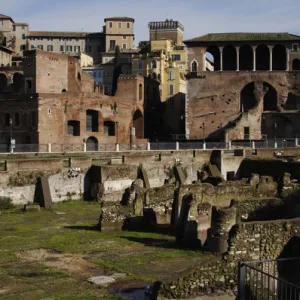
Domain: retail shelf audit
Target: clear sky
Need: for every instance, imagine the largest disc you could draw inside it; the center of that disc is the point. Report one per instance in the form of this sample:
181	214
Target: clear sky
198	16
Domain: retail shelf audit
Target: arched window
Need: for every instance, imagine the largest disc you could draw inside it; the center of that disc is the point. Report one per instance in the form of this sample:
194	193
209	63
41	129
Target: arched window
3	82
154	76
17	81
229	58
138	124
17	119
140	91
212	55
79	76
279	58
296	64
154	64
262	58
246	58
64	91
194	66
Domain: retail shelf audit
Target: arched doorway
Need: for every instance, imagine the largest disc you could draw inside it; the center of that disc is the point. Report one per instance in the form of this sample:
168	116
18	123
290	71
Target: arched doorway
262	58
293	102
138	124
229	58
92	144
296	64
17	82
213	55
270	97
246	58
279	58
3	82
247	98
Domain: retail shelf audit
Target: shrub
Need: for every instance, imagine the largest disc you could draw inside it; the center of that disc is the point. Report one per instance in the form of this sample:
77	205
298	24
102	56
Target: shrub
6	203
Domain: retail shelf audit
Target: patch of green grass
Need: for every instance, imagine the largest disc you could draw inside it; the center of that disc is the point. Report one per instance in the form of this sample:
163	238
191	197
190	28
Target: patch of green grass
143	255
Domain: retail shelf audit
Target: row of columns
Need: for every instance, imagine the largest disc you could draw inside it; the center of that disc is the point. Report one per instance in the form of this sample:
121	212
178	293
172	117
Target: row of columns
254	59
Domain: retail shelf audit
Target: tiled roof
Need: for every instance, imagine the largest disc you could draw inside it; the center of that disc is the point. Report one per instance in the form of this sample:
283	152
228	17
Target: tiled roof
245	36
5	17
62	34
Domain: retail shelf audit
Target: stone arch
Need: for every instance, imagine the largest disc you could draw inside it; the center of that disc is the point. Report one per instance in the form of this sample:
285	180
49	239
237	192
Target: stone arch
194	66
248	99
284	127
92	144
213	54
138	124
64	91
246	58
279	59
296	64
262	58
229	58
270	97
17	82
293	102
3	82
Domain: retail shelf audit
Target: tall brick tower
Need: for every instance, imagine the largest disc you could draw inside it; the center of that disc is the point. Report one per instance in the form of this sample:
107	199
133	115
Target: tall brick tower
169	29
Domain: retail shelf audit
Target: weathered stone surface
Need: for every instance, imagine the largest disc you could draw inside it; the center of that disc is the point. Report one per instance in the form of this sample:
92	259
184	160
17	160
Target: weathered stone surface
102	280
32	208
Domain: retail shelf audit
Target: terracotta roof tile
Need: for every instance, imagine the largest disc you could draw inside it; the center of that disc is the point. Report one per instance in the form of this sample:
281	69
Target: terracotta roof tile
245	36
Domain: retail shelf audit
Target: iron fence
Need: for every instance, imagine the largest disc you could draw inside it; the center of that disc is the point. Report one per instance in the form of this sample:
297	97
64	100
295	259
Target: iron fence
269	279
95	147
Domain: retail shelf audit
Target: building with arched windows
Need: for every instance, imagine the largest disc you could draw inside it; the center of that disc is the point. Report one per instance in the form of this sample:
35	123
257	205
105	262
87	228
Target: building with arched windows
50	99
251	85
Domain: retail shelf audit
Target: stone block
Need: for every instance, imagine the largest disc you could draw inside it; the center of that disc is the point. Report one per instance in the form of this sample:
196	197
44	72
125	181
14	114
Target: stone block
43	193
32	208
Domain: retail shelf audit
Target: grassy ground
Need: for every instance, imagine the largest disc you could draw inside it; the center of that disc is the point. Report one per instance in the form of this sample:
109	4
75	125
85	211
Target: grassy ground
51	254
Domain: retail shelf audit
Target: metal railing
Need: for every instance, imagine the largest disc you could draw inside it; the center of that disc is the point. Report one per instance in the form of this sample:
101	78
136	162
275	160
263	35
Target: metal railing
179	145
270	279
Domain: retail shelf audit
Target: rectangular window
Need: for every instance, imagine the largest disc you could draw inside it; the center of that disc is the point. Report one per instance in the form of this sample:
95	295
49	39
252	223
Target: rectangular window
176	57
124	46
69	48
77	49
119	25
23	36
40	47
1	24
74	128
124	37
171	91
246	133
109	128
110	24
28	85
92	121
128	25
62	48
112	44
50	48
295	47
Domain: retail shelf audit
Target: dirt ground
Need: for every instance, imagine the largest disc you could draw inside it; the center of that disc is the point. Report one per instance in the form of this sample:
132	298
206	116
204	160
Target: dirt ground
51	254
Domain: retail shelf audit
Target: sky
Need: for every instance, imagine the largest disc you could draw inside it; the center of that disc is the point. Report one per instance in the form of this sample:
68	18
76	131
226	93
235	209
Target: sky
197	16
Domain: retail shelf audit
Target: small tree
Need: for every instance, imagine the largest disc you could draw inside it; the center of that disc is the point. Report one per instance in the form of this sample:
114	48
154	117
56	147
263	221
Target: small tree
117	70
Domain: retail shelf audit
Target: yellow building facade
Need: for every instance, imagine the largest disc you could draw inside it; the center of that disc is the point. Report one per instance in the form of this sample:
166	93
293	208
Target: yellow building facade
166	62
